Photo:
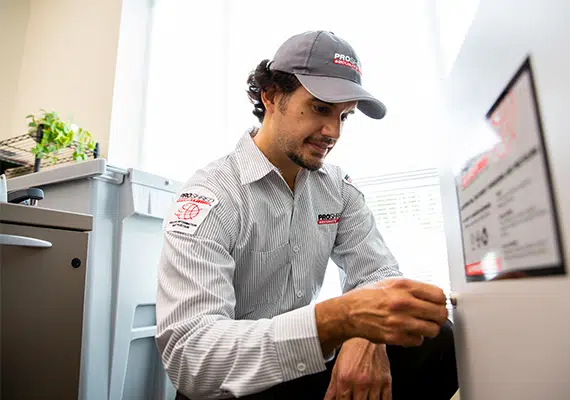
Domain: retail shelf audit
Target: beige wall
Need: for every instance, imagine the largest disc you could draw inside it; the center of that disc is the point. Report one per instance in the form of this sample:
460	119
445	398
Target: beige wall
13	25
68	58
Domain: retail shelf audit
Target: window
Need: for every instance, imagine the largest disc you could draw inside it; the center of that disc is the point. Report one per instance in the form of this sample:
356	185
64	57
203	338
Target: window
407	210
197	108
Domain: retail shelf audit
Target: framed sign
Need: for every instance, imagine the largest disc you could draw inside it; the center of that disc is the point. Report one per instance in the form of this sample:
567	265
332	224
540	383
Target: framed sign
509	224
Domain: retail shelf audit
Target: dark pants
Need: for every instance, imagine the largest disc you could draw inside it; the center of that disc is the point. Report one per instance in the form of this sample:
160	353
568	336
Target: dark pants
424	372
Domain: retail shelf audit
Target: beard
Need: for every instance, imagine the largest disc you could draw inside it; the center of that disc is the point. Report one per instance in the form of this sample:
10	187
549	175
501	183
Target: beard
294	152
303	162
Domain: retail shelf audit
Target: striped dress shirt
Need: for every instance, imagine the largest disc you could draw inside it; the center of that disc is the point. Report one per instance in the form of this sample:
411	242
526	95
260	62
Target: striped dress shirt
243	261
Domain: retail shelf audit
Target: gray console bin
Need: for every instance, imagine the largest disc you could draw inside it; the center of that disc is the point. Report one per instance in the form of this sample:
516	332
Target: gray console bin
119	359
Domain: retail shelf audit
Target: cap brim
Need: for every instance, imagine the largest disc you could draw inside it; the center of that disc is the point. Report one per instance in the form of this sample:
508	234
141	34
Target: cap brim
337	90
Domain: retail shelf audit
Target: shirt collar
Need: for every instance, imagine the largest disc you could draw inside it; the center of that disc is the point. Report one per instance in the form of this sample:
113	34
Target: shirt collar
252	163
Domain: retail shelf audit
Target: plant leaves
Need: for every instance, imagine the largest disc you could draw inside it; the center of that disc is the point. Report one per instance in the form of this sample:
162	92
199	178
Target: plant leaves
57	135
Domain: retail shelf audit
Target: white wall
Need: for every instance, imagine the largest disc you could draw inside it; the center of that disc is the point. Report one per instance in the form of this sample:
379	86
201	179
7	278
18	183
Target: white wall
512	335
13	25
69	52
454	18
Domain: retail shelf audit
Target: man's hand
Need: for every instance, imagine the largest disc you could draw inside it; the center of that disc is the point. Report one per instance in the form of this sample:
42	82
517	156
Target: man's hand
361	372
394	311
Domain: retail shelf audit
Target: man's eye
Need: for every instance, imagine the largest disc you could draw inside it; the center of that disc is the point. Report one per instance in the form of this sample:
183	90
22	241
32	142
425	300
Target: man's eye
322	109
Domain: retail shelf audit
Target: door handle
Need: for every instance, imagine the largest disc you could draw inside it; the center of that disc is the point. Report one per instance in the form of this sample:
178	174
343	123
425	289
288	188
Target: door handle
23	241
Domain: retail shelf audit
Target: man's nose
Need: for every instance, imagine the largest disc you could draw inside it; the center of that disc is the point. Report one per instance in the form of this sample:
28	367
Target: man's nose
332	129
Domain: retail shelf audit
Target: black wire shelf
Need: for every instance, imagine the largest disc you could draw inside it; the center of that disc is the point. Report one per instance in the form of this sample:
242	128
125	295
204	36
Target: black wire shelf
17	159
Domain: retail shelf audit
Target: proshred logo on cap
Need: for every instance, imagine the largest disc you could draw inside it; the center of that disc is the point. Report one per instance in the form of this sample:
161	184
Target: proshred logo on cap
347	61
332	218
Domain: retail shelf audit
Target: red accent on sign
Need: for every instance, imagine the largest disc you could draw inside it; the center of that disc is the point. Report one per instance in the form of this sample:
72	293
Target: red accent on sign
504	120
473	269
476	268
474	171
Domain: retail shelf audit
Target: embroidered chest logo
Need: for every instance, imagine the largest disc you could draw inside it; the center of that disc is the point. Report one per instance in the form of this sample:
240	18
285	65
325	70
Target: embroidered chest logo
328	218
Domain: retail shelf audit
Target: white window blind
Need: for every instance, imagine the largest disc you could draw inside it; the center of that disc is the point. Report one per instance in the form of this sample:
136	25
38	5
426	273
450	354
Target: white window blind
408	214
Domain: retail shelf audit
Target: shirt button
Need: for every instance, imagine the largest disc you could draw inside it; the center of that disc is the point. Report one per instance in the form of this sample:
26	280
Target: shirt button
301	367
296	249
299	293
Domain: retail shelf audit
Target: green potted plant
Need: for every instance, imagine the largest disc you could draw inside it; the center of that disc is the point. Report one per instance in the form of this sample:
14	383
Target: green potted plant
52	135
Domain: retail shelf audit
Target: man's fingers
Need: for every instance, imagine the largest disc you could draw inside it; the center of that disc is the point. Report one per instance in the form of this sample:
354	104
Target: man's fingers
424	310
331	392
387	393
374	394
410	340
346	394
359	394
429	293
420	327
409	331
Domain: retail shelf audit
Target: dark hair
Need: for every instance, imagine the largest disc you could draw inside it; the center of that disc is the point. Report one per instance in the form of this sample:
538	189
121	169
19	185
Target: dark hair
262	79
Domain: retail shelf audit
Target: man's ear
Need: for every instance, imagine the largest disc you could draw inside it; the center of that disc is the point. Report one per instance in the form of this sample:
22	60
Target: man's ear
269	99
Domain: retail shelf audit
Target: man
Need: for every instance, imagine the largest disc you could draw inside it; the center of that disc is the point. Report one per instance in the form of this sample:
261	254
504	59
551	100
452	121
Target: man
246	248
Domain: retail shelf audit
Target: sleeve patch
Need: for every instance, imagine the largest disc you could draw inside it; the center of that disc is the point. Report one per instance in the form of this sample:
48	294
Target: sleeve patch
190	210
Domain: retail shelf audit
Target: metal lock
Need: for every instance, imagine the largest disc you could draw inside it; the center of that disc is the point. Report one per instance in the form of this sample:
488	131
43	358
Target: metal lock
453	299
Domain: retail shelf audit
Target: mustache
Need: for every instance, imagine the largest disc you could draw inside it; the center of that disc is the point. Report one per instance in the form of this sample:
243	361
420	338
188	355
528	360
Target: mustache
323	139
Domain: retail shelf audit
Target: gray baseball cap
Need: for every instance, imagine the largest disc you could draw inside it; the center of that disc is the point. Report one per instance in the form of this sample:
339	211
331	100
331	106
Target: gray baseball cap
328	67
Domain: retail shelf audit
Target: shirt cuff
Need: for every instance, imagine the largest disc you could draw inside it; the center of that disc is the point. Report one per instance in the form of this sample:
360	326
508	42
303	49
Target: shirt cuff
297	343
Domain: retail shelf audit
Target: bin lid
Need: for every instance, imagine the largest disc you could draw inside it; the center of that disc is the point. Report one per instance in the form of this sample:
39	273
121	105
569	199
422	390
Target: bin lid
44	217
70	172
